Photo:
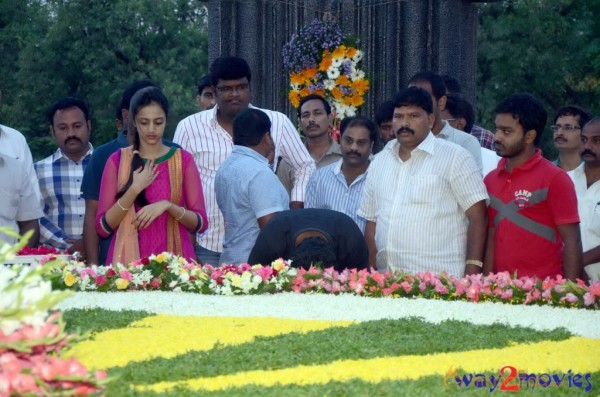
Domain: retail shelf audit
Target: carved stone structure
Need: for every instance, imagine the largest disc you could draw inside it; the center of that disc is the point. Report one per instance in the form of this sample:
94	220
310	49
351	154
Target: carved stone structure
399	38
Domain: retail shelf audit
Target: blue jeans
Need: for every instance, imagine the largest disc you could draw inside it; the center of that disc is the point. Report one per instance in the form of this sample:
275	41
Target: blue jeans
208	257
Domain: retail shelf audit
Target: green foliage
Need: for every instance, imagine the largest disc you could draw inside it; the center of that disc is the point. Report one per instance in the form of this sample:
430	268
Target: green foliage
93	49
98	320
548	48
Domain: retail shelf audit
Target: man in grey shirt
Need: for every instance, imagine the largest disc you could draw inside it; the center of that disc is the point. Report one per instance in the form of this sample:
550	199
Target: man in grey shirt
248	193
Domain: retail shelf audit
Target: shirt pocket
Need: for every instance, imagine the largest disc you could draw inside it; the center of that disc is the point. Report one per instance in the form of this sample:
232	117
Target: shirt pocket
424	189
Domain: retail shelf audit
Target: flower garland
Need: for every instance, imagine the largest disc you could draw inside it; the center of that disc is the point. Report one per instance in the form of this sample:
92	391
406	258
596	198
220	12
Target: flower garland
31	338
321	60
168	272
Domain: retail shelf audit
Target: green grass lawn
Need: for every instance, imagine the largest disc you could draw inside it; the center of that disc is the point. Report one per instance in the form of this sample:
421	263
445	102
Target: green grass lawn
360	341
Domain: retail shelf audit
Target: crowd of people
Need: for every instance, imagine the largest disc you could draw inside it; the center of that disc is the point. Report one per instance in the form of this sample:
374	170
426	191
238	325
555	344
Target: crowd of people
420	188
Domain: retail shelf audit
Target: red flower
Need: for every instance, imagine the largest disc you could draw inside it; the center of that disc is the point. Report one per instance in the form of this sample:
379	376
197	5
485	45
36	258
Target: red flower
145	261
111	273
100	280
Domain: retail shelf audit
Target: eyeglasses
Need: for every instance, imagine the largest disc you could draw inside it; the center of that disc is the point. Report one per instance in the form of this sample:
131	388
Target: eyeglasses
229	89
566	127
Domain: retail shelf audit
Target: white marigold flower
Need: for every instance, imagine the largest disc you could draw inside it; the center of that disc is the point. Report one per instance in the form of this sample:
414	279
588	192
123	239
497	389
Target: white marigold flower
350	111
340	110
358	56
295	87
329	84
337	62
333	72
357	74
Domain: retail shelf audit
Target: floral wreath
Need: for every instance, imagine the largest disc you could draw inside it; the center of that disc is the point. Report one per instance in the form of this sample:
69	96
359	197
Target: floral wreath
322	60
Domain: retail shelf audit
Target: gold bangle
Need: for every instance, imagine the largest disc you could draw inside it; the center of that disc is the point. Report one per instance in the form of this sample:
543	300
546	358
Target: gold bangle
182	214
121	207
474	262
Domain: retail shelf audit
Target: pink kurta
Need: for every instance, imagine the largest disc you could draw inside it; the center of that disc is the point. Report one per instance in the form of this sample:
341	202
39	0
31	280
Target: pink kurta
153	239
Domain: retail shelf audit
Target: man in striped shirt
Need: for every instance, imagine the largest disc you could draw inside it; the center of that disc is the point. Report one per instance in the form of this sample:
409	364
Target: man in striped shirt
339	186
424	198
60	176
208	136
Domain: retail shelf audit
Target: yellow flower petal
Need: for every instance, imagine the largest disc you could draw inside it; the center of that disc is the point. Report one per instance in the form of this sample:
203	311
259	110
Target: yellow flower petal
576	354
157	333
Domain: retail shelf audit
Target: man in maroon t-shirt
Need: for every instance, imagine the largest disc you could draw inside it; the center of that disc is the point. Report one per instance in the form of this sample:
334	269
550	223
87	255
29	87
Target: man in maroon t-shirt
533	218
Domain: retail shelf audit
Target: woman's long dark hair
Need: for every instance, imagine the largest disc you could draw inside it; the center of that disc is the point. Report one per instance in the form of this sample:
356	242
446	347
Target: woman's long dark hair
142	98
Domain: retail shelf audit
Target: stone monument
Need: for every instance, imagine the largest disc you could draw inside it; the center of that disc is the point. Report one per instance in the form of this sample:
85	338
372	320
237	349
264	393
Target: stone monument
399	38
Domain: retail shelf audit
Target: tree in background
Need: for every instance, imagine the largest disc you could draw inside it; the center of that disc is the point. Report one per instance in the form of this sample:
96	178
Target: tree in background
548	48
93	49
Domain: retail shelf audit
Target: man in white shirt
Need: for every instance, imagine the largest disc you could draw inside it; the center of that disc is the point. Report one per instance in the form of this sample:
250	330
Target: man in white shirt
460	115
434	85
586	178
208	136
424	198
20	209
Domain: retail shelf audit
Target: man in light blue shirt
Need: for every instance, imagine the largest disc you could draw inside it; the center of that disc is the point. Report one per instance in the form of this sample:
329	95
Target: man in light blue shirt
248	193
339	186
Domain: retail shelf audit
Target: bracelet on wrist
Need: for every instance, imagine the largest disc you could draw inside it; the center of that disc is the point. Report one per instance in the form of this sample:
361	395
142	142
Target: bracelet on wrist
474	262
121	207
182	214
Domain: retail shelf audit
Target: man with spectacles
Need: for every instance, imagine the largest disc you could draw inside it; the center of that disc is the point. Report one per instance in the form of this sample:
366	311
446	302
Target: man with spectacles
586	178
208	135
567	135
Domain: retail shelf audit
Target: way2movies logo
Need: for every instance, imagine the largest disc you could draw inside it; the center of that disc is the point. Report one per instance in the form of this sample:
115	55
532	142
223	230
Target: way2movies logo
512	380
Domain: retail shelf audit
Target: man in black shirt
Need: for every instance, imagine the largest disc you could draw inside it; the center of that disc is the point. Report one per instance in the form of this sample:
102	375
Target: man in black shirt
311	237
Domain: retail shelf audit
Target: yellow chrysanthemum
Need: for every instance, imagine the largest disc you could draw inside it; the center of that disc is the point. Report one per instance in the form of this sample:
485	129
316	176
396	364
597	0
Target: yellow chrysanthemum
360	86
350	52
339	52
162	257
304	92
342	80
325	63
356	100
310	73
347	100
294	98
296	78
337	93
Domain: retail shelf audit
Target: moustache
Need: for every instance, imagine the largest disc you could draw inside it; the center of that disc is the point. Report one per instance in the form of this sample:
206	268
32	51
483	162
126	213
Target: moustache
588	152
559	138
405	129
353	153
72	138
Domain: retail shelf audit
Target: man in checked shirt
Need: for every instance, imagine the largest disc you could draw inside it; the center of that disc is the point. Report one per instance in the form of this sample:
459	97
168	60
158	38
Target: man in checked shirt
60	176
208	136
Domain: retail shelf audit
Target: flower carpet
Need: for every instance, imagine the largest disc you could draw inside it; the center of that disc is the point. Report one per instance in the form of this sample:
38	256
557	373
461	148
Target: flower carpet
177	343
163	326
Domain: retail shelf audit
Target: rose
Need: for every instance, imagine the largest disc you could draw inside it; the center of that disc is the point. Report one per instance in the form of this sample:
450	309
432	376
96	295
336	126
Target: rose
70	279
100	280
121	283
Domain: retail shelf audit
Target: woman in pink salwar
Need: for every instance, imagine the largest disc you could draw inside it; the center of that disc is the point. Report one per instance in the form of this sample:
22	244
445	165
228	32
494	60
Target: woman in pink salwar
151	195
